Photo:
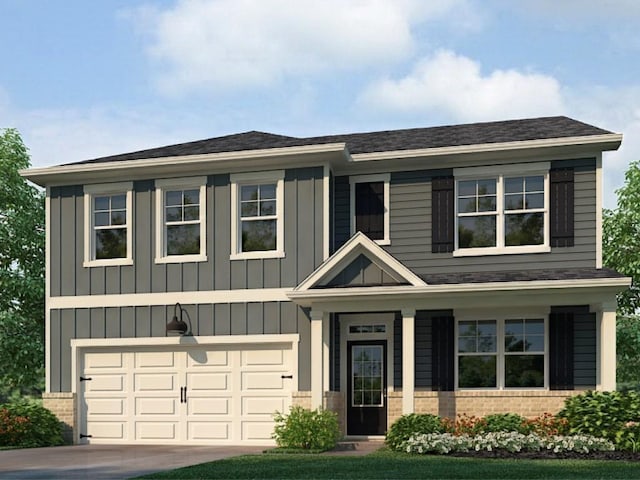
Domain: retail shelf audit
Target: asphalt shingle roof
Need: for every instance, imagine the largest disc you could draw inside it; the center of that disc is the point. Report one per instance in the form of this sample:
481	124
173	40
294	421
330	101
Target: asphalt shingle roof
383	141
521	276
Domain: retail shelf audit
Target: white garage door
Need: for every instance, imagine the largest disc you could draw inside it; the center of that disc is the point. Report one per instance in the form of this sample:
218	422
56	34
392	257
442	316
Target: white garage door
199	395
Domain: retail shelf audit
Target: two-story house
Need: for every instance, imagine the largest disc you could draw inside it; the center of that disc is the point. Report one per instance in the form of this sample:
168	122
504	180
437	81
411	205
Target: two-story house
194	289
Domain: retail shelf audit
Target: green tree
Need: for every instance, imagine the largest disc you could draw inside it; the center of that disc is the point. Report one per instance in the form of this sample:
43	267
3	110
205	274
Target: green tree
621	251
22	237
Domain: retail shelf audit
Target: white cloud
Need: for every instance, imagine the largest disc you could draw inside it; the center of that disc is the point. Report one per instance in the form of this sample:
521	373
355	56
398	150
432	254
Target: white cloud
224	44
455	86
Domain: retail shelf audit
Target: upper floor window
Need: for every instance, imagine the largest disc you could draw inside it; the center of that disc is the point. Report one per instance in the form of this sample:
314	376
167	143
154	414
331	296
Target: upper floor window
502	353
181	220
370	206
257	229
502	213
108	224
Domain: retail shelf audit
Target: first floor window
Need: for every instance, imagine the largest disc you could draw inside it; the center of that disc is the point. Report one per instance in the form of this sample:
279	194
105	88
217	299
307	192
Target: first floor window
108	224
257	215
181	217
501	353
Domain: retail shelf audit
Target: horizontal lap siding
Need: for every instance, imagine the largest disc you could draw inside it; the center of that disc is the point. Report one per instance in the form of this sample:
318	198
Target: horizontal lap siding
410	225
303	244
141	322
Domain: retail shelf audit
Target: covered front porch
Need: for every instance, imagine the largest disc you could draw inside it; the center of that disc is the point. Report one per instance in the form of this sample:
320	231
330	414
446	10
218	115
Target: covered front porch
384	342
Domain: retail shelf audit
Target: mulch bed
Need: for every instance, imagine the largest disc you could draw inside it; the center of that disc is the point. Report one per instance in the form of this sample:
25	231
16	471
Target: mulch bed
550	455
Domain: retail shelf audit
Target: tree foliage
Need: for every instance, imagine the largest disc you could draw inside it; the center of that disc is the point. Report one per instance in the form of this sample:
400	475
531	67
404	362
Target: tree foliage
621	251
22	239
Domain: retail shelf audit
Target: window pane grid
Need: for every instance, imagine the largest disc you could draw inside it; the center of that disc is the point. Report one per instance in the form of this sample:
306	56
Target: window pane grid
520	363
367	376
110	226
258	217
518	219
182	219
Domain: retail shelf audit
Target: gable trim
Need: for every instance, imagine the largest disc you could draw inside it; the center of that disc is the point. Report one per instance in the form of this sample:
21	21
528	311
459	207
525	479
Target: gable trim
360	244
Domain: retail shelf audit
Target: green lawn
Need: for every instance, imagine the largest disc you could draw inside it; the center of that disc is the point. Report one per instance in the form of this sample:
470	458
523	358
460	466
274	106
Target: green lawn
385	464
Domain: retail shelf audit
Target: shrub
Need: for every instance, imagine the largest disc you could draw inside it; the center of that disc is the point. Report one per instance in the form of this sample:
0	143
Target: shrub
24	424
505	422
412	424
307	429
601	414
628	437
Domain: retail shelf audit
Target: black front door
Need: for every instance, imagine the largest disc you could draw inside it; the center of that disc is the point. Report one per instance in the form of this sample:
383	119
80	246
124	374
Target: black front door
367	388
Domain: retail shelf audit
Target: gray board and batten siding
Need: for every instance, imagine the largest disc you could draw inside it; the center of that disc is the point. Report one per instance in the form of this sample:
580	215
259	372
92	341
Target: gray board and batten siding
303	207
410	226
303	198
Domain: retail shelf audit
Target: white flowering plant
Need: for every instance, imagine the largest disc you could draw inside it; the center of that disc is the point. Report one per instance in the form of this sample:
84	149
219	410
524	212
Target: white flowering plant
443	443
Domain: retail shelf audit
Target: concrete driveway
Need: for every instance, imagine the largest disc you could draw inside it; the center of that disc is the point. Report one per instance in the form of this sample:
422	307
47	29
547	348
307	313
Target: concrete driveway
107	461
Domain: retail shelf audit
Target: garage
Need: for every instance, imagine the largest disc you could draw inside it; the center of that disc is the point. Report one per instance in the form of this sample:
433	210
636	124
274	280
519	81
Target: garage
201	394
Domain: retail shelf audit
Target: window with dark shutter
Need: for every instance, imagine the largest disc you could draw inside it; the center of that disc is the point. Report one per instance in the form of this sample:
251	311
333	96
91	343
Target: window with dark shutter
561	213
442	215
561	345
443	353
369	206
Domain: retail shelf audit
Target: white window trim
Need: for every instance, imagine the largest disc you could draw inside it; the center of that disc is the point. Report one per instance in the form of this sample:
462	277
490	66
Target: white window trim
180	184
256	178
500	318
479	173
382	177
89	246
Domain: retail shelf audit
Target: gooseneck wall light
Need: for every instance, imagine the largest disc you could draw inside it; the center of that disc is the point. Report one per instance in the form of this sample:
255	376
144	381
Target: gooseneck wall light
178	326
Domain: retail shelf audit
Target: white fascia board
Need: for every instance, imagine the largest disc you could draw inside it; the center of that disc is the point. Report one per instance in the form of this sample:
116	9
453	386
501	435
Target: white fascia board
184	340
357	244
460	288
609	141
65	174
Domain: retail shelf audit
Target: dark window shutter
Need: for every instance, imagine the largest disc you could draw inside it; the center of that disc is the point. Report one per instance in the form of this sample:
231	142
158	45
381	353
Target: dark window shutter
561	351
442	214
561	207
443	352
369	203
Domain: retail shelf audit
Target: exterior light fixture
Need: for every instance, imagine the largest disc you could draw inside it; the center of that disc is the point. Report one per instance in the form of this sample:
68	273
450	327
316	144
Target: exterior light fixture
176	326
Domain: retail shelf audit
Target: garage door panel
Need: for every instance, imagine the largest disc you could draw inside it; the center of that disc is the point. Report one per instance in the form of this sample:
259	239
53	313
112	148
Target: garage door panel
202	382
156	406
155	382
105	406
207	358
154	359
263	405
105	383
107	430
209	431
209	406
103	360
257	431
156	430
262	381
261	357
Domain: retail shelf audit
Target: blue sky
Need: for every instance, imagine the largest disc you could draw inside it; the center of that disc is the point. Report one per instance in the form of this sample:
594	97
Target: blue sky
86	79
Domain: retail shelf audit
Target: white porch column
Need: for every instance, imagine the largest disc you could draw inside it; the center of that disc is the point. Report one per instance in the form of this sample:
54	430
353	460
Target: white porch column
317	362
408	360
606	346
325	351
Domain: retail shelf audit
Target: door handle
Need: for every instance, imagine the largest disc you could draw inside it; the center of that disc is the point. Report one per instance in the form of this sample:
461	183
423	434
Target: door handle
183	394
